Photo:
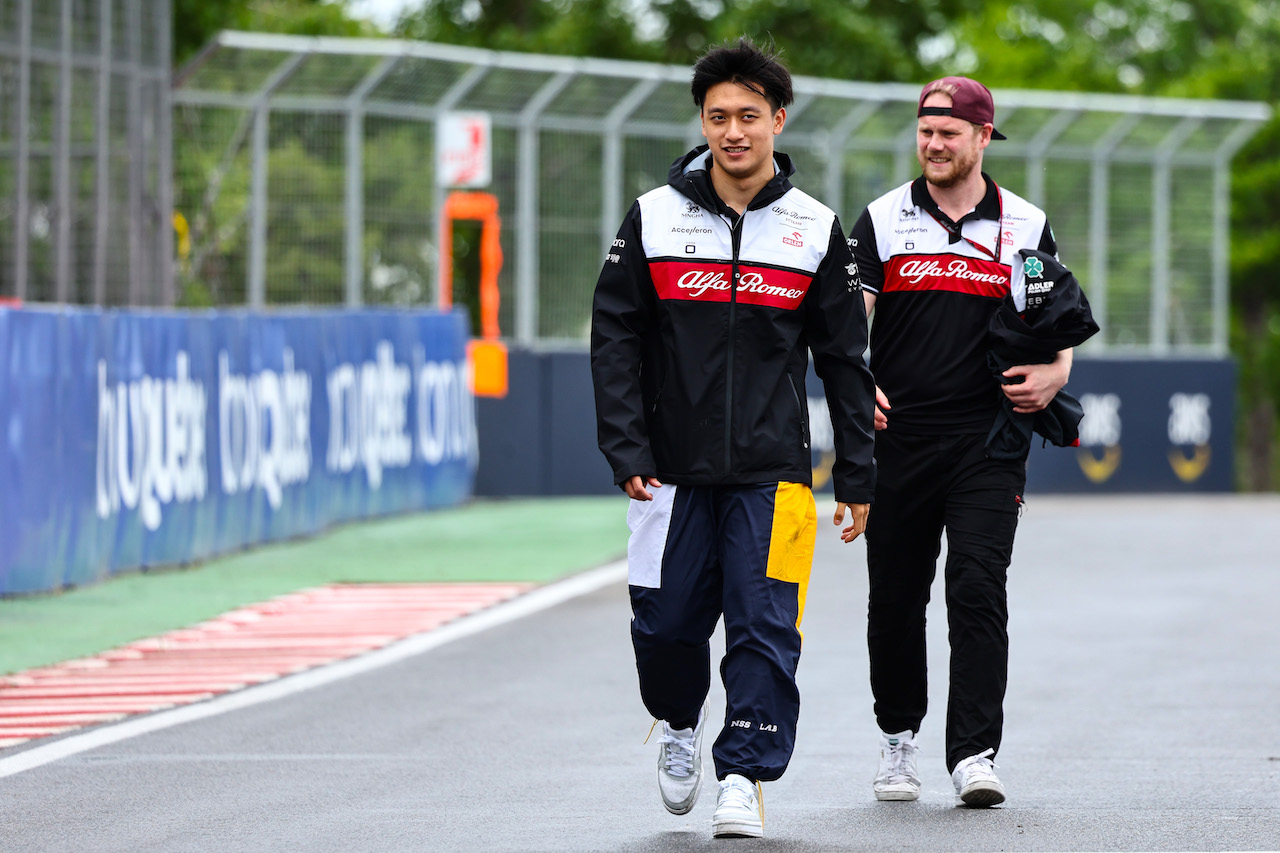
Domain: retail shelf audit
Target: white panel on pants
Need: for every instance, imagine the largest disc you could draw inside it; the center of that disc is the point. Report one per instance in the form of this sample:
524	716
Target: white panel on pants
649	522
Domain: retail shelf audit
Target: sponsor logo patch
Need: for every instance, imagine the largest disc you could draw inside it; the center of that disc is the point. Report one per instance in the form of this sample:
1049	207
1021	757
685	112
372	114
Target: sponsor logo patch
702	282
793	216
947	272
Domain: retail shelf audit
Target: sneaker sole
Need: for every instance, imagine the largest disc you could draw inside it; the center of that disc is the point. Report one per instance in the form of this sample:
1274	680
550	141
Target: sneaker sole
982	798
897	796
736	830
687	806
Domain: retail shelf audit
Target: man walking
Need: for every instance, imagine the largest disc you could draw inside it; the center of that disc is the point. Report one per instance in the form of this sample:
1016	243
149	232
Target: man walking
935	258
716	289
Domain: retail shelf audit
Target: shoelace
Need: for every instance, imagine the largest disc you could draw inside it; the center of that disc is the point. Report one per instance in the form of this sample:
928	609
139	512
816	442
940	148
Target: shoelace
738	795
680	751
983	765
899	754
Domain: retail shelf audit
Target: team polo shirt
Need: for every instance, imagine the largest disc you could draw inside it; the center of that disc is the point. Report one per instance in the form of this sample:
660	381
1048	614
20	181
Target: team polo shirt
937	283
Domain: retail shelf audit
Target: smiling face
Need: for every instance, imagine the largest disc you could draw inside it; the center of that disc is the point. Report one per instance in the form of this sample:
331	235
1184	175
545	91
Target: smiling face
740	126
949	149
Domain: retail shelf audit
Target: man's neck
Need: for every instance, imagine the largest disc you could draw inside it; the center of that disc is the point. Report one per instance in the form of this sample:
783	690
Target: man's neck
958	200
737	194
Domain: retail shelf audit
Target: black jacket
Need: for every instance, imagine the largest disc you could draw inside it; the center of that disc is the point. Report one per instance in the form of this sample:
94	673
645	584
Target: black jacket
1057	317
700	383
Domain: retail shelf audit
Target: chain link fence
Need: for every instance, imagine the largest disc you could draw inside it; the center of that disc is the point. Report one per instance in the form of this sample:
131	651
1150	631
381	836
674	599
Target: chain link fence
333	140
85	152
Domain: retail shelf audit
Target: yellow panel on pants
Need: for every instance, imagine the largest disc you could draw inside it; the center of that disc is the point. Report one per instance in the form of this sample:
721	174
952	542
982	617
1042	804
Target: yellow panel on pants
795	527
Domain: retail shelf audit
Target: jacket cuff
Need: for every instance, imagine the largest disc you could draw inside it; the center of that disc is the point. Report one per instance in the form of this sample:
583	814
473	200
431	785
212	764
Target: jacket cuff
855	496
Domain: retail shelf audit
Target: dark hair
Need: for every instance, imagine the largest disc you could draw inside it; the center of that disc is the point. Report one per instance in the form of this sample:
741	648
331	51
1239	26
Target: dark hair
758	69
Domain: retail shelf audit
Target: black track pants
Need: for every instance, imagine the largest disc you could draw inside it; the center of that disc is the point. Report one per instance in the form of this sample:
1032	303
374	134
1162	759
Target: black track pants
926	484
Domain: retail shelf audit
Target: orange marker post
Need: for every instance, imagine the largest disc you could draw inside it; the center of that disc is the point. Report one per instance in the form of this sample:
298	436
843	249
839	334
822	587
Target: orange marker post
487	354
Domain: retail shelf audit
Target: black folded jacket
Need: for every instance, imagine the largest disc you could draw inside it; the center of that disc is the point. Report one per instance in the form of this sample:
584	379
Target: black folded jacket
1057	316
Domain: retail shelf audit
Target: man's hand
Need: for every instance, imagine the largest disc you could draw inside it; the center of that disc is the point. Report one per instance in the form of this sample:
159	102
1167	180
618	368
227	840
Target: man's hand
1039	385
857	519
882	403
635	487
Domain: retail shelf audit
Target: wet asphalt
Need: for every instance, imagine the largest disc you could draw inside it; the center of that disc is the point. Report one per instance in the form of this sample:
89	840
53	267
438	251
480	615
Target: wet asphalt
1143	714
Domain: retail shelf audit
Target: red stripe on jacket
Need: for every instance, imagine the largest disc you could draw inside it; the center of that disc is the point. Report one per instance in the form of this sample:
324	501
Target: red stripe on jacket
707	281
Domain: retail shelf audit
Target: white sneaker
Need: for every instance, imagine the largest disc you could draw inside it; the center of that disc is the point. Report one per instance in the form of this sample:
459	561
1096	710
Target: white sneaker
680	765
976	782
897	778
739	812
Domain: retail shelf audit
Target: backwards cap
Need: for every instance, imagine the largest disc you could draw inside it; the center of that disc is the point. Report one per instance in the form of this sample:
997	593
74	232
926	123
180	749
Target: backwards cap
970	101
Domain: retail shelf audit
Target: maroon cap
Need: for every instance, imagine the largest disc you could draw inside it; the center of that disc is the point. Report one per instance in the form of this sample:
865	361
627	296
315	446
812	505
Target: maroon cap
970	101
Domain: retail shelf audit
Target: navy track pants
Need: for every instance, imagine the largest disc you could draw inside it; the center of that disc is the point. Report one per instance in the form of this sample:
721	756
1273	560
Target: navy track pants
744	552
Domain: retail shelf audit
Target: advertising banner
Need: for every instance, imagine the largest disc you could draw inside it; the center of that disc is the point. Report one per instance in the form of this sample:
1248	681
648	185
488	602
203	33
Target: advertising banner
1150	425
135	439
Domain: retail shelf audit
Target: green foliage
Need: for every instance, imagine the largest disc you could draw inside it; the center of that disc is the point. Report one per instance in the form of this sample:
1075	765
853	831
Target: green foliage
195	22
851	40
567	27
1255	233
1198	48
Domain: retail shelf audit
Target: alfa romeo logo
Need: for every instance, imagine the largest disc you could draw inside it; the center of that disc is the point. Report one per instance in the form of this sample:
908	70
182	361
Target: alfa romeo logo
1032	268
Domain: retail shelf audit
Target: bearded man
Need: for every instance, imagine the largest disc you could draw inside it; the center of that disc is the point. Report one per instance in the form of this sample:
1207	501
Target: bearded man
936	257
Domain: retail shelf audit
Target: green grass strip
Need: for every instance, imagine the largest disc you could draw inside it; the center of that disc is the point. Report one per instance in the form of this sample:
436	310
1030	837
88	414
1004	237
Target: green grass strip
535	540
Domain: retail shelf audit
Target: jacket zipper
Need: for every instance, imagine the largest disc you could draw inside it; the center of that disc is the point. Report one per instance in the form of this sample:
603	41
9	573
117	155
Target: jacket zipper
735	237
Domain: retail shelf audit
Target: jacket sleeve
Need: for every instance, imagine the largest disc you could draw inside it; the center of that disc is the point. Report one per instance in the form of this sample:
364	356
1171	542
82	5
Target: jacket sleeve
836	327
622	314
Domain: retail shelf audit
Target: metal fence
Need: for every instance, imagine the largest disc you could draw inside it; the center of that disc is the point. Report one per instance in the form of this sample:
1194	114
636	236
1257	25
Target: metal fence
85	151
304	172
332	140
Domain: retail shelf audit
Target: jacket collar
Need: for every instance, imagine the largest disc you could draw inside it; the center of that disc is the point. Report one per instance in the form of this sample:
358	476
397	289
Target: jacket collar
690	175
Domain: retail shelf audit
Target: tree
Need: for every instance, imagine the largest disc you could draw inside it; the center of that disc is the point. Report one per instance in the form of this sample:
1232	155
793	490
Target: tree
854	40
1203	48
211	173
571	28
196	22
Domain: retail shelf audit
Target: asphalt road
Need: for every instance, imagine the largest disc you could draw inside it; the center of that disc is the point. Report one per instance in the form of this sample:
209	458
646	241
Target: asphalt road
1143	714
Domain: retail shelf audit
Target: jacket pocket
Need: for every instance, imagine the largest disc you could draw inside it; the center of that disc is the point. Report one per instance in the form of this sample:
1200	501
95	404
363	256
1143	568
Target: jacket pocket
802	409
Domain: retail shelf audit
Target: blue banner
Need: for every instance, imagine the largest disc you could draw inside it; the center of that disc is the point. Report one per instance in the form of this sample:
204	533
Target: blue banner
1156	425
135	439
1150	425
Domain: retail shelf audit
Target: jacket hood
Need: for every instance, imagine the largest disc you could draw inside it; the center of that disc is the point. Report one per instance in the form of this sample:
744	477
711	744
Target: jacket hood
690	175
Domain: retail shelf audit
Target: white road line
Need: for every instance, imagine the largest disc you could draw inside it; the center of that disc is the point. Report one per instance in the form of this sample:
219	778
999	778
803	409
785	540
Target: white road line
531	602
